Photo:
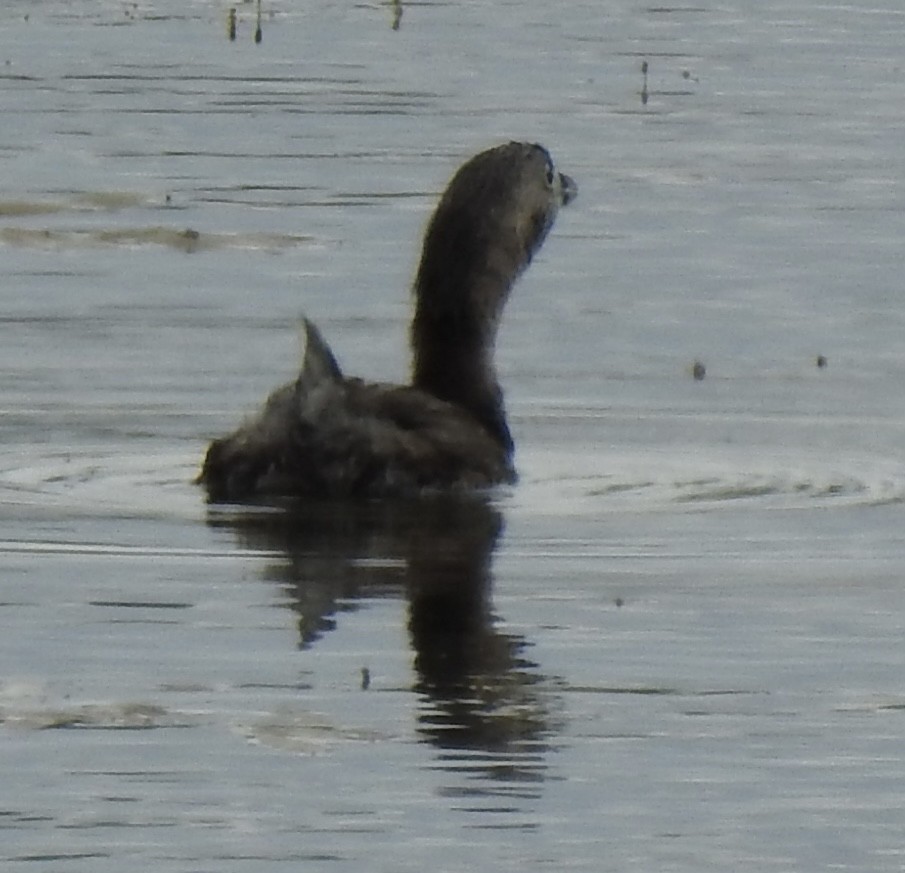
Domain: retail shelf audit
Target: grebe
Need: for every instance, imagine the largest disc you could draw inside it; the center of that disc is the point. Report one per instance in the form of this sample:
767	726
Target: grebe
327	435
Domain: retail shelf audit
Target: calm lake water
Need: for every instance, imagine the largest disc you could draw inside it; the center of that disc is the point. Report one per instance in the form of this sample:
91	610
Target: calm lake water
676	645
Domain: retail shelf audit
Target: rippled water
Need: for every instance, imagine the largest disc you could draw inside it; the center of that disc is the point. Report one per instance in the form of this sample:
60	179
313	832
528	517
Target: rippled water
675	645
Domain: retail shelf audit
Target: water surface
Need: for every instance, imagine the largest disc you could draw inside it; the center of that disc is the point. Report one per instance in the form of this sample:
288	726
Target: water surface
675	645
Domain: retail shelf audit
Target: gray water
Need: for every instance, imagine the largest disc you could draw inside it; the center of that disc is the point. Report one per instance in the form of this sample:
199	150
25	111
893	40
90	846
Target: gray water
675	645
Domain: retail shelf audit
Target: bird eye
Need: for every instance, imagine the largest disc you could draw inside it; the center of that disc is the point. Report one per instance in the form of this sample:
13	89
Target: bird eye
549	169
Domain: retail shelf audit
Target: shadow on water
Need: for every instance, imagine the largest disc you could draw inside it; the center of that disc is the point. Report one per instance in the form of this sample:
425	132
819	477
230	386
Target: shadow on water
483	703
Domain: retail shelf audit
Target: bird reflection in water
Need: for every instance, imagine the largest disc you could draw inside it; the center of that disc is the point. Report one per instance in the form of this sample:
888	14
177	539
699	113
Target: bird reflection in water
483	704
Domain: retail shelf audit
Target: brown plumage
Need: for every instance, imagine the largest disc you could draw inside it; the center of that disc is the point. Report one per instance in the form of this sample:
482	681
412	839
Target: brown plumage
328	435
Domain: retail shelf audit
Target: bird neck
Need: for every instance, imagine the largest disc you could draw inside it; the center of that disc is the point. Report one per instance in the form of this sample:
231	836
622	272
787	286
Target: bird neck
453	350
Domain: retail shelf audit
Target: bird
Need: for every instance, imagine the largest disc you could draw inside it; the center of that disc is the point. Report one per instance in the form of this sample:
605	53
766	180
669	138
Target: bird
326	435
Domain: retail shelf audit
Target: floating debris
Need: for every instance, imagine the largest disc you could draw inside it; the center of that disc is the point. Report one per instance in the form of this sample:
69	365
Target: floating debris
95	716
698	371
83	201
231	24
303	733
644	91
397	13
258	34
821	362
186	240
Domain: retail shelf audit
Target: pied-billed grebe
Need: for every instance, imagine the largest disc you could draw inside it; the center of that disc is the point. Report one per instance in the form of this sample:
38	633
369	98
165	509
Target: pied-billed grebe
328	435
